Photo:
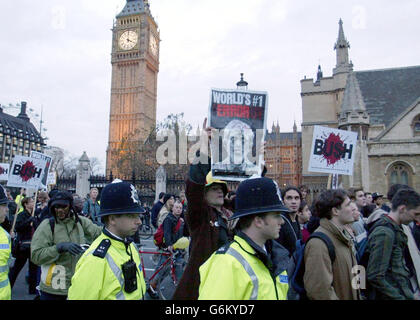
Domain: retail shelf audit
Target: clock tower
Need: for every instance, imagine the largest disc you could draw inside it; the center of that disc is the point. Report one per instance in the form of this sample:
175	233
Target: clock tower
135	66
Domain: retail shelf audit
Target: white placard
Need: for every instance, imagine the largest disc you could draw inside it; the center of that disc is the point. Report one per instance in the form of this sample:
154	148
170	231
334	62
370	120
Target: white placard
4	171
26	172
333	151
52	178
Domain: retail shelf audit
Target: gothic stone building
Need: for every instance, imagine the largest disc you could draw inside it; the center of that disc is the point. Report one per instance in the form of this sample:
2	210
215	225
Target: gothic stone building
283	156
382	106
135	66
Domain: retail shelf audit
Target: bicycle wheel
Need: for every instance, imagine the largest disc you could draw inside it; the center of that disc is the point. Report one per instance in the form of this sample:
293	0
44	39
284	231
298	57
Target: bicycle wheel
166	287
145	232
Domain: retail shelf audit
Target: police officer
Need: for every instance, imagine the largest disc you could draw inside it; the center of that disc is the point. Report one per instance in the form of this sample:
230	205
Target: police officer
111	269
5	250
253	266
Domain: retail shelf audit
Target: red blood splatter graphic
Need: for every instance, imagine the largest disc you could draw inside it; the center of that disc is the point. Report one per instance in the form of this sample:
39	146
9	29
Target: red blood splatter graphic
329	152
28	171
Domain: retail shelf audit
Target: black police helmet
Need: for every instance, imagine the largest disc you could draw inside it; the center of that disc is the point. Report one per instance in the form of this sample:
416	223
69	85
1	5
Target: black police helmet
120	198
259	195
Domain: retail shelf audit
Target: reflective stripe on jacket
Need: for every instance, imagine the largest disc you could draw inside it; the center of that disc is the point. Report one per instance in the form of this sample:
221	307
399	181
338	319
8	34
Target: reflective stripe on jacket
5	258
236	273
99	278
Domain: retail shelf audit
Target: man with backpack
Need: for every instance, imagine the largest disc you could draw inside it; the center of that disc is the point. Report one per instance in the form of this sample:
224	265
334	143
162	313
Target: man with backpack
56	245
167	234
329	255
387	274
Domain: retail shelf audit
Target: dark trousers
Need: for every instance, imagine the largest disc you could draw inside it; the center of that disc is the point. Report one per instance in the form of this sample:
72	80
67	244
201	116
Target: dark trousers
51	297
21	257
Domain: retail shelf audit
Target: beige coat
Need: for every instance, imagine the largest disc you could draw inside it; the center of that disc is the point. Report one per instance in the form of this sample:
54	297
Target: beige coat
322	280
163	213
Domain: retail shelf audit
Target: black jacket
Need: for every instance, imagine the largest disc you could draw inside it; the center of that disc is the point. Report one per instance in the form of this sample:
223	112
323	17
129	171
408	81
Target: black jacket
23	226
170	236
289	234
155	212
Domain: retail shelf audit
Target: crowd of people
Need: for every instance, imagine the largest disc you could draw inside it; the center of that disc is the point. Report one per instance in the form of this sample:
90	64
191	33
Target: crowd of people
259	242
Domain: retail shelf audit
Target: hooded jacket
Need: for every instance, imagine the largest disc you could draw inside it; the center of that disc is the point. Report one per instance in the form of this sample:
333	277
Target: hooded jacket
55	266
325	280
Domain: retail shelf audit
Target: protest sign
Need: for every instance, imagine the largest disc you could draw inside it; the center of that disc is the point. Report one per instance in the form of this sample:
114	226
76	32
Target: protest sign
4	171
26	172
240	119
48	160
52	178
333	151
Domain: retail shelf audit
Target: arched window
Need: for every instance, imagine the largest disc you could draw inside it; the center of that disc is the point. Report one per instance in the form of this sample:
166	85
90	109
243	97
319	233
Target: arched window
416	126
399	173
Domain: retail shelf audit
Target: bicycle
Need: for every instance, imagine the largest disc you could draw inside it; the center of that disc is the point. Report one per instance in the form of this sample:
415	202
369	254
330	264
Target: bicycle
168	280
145	230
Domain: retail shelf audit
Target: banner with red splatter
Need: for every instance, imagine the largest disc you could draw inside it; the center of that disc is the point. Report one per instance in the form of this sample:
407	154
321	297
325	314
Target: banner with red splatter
4	171
26	172
333	151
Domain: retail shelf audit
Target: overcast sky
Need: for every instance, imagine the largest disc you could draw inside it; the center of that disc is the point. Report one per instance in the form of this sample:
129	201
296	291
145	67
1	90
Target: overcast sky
56	54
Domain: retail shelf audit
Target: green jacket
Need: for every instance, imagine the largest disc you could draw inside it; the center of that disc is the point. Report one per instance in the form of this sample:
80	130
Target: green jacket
57	268
387	274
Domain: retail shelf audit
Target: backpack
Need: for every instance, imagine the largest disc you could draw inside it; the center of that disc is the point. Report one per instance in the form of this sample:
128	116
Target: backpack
158	236
298	258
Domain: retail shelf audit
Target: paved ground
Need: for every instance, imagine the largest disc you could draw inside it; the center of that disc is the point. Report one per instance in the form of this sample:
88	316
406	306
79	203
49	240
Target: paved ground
20	289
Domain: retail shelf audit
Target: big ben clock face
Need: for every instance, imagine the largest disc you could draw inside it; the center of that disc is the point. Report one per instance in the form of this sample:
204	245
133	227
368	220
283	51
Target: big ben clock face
153	45
128	40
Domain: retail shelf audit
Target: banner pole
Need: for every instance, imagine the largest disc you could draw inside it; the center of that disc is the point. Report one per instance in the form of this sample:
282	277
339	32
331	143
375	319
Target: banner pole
36	197
12	231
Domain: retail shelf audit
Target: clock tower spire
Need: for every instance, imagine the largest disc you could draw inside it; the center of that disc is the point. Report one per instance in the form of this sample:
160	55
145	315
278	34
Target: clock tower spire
135	67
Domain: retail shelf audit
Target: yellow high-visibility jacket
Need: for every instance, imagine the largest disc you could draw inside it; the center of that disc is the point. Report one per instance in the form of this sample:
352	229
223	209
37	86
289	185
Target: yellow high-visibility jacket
234	272
18	201
5	257
99	276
